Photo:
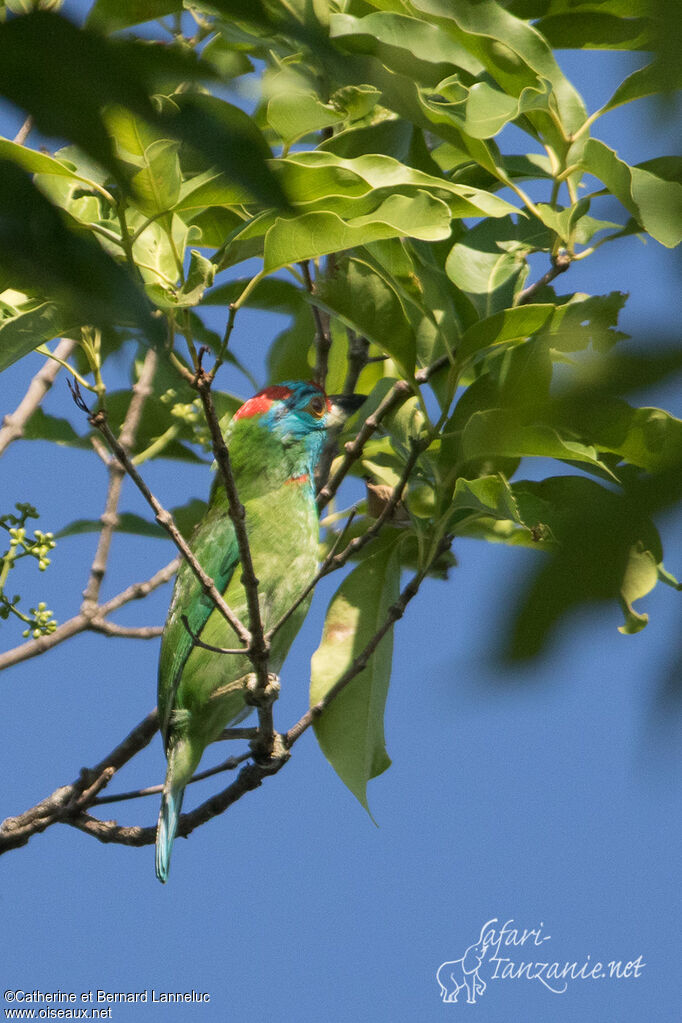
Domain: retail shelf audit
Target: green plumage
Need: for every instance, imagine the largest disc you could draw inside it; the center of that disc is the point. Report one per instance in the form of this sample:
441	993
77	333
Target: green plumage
273	455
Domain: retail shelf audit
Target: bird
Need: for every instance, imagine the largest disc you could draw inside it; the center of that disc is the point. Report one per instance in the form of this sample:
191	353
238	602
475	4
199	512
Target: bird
275	440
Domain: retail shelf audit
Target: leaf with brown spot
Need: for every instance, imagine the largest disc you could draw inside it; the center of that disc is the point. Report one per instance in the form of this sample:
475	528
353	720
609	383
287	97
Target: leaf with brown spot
351	729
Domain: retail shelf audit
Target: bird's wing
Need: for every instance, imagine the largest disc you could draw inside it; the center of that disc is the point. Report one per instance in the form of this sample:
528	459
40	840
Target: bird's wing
215	546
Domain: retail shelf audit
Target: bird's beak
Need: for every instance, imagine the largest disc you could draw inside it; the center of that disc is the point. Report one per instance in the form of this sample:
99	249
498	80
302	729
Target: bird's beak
343	406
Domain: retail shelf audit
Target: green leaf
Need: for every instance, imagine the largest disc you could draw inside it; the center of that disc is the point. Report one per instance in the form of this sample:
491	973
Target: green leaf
351	730
646	437
514	52
505	327
33	323
295	114
32	161
488	263
368	302
112	15
40	251
156	184
500	432
200	276
316	175
76	72
229	62
590	29
411	46
316	234
585	320
489	495
655	203
127	522
641	575
646	81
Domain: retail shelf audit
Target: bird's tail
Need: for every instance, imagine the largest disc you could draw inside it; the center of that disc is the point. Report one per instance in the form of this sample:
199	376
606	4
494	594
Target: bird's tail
171	805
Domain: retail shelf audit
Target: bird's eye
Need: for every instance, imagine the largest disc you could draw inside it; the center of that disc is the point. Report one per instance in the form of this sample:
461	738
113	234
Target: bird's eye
317	406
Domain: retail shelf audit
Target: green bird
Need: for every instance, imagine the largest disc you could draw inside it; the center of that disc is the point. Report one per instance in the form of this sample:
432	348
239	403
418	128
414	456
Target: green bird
275	441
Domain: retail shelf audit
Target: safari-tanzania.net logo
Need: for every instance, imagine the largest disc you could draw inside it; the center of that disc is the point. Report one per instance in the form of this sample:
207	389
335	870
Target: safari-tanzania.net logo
508	953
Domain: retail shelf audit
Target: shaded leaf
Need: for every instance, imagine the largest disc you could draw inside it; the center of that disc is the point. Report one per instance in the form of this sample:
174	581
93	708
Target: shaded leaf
111	15
76	72
500	432
33	323
39	250
293	114
489	495
509	325
368	302
608	550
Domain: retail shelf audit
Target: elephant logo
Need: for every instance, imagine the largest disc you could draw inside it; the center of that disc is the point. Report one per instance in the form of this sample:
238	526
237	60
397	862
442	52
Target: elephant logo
463	973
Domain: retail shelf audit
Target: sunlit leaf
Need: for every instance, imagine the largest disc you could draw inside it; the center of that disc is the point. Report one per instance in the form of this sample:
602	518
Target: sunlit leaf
654	202
351	730
315	234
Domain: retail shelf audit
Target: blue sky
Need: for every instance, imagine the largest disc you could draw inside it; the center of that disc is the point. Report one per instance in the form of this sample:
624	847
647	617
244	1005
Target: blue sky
546	795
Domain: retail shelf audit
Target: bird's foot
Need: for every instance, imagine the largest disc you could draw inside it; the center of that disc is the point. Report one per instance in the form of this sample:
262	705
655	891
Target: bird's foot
257	696
271	757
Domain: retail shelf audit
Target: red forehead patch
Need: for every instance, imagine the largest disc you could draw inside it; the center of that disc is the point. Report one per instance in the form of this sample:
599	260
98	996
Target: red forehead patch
262	401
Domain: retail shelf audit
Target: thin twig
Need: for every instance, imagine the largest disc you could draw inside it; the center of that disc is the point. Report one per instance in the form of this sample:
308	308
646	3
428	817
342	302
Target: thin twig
165	519
399	393
196	641
109	519
560	264
395	612
126	631
14	422
84	621
16	831
24	131
323	340
258	647
358	542
231	764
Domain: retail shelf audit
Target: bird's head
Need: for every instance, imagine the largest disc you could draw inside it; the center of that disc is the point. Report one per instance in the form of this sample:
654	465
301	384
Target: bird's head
297	415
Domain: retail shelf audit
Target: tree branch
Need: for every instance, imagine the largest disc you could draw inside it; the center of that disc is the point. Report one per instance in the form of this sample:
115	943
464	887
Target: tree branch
399	393
395	612
258	647
14	422
67	805
249	778
231	764
93	619
24	131
323	340
165	519
126	631
16	831
141	391
560	263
